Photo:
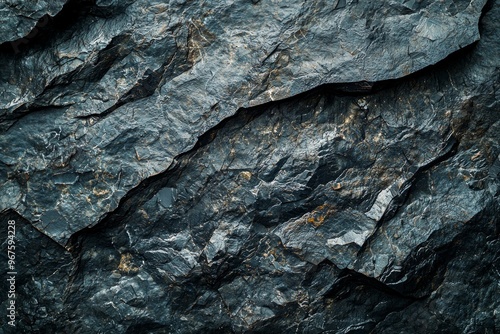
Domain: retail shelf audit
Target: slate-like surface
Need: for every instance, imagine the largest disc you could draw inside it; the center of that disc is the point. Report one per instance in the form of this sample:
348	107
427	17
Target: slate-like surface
21	19
113	95
354	207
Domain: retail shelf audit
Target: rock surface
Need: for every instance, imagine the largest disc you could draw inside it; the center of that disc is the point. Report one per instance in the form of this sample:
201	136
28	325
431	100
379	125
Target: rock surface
114	97
254	166
21	19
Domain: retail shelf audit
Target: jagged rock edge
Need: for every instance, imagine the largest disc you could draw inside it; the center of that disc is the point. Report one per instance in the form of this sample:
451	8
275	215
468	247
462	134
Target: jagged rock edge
7	46
154	183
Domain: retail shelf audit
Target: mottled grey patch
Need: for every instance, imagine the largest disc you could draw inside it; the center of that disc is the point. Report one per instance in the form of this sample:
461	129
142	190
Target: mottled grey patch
66	178
53	221
166	196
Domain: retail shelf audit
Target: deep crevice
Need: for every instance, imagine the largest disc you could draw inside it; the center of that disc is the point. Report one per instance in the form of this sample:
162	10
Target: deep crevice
145	87
351	278
7	121
47	28
146	189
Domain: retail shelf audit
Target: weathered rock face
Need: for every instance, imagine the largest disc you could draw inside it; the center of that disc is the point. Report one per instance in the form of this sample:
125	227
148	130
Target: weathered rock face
21	19
249	166
115	97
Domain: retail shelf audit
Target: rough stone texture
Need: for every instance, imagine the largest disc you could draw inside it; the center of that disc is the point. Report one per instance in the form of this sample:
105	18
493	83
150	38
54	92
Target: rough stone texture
114	97
20	19
360	206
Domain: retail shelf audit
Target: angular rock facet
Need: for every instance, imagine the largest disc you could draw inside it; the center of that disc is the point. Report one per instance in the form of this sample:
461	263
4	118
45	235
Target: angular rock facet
134	84
363	205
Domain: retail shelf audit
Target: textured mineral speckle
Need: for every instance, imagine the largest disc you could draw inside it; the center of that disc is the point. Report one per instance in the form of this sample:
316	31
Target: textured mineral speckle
251	166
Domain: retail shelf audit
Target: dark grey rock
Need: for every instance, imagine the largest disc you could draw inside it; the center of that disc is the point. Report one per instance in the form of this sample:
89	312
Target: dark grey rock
43	268
121	92
186	207
22	19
